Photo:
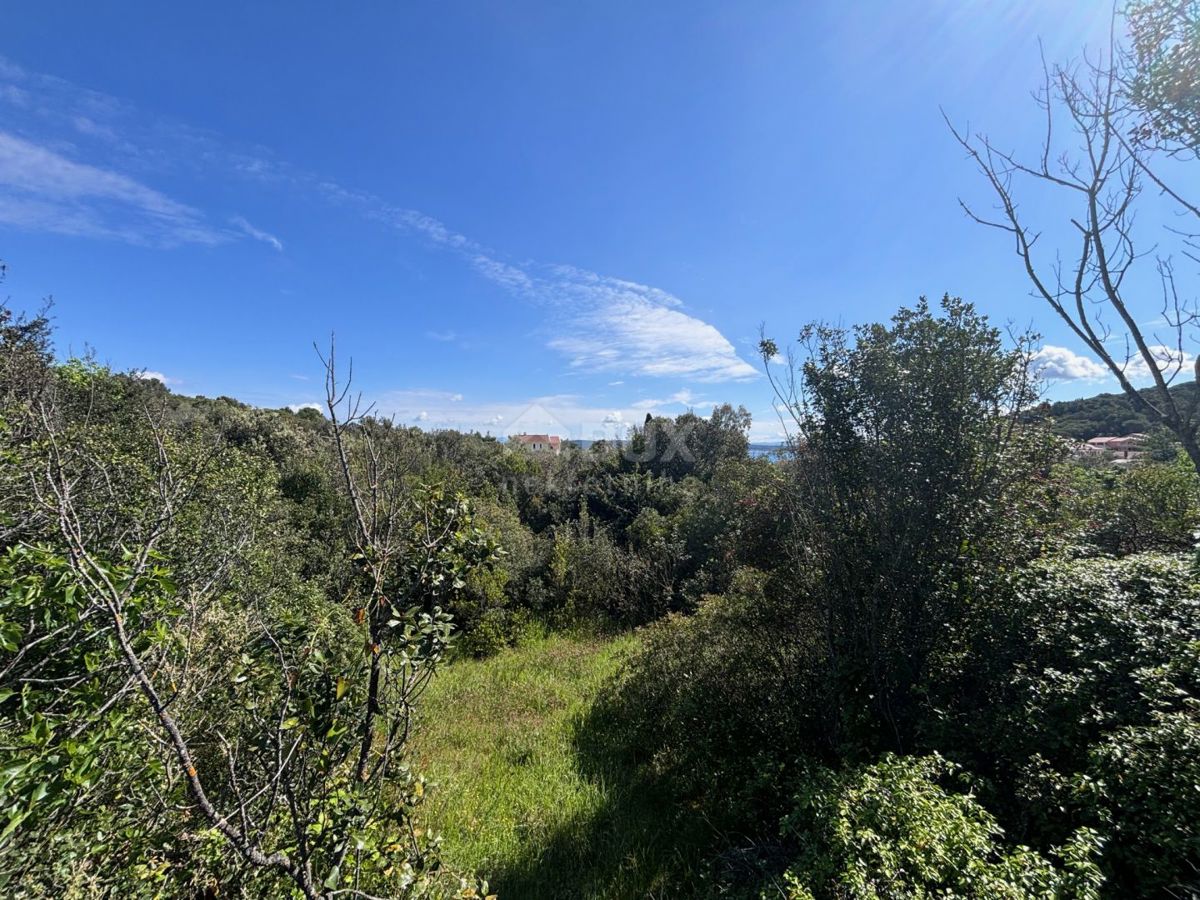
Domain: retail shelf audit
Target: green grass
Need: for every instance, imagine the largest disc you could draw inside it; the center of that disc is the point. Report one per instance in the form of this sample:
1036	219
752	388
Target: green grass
522	800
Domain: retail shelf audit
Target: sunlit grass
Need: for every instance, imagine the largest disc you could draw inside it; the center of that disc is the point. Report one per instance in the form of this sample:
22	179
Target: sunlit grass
518	801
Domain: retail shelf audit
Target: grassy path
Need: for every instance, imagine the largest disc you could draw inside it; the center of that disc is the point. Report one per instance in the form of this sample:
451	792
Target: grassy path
517	799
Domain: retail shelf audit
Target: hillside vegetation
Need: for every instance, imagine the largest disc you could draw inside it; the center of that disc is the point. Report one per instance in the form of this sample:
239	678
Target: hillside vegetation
922	653
1105	414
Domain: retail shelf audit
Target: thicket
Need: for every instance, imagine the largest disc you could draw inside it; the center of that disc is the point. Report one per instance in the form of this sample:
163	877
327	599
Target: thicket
972	670
216	620
923	653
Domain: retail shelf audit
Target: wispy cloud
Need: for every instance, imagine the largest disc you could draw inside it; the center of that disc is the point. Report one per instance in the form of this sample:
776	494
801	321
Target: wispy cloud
607	324
444	337
600	323
43	190
604	324
257	233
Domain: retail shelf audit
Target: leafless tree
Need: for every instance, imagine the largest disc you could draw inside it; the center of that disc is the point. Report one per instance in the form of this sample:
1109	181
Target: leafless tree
397	544
1093	161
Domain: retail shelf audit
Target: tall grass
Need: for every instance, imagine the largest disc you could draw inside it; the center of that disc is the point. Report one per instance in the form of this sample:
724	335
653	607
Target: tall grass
523	800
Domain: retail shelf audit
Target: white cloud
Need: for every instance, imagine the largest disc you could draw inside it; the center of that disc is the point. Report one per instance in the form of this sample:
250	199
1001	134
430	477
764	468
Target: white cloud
257	233
422	416
682	397
151	375
1063	364
615	325
1169	361
296	407
634	336
444	337
42	190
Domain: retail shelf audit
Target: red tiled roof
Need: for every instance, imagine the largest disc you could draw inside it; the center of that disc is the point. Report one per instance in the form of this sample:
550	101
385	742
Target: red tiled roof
552	439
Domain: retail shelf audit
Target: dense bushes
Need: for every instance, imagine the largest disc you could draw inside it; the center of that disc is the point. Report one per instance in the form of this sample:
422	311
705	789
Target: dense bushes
893	830
922	655
197	702
1060	689
904	492
913	609
1119	511
215	620
715	701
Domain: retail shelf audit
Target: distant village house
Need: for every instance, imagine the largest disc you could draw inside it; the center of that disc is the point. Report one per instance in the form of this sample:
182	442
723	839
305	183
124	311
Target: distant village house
549	443
1127	447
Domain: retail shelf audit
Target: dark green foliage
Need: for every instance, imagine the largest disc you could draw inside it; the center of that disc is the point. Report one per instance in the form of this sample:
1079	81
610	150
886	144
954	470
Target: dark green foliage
904	490
893	830
1104	414
906	608
690	444
1148	506
900	501
1057	689
1140	787
713	703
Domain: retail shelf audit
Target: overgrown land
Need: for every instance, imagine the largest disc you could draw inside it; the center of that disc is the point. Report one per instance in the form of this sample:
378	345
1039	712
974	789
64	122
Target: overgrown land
928	650
933	647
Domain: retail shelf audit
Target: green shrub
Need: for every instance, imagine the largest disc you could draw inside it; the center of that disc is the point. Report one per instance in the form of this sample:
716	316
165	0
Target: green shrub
714	705
1074	694
1152	506
892	831
1146	781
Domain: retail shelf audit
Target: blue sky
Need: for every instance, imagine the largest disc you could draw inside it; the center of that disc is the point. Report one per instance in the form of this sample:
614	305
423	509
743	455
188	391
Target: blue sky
516	216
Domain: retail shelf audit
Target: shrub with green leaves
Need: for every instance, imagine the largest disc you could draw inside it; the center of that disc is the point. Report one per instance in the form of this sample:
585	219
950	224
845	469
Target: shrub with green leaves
897	830
716	705
1073	693
1151	506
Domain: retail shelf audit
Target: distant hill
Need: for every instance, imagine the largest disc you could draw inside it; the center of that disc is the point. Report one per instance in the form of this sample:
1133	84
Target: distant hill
1104	414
